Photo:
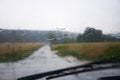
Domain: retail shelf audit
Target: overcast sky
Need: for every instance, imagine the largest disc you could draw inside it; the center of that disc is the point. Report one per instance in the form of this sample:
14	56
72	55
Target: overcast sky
74	15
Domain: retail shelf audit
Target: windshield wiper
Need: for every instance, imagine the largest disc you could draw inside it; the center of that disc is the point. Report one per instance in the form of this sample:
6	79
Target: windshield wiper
92	66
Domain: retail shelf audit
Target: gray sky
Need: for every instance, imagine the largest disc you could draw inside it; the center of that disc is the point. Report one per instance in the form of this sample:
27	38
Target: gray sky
74	15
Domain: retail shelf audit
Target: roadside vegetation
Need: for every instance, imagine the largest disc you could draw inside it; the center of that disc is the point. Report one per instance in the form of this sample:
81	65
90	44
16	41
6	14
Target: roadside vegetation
89	51
92	44
16	51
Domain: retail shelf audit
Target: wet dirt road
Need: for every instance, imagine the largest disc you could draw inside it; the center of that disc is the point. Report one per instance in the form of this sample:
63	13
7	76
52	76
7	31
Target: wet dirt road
44	60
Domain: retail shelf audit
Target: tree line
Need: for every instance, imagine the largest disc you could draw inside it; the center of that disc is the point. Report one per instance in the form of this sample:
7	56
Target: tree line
55	37
95	35
34	36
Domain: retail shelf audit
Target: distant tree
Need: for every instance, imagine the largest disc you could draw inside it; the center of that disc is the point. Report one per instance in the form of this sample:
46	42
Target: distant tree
91	35
80	38
110	38
66	39
52	38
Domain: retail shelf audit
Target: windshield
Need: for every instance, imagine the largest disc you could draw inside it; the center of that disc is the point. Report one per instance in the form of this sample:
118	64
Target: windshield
38	36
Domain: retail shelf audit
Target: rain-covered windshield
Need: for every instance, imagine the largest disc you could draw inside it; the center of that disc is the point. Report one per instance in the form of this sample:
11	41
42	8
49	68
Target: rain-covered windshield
38	36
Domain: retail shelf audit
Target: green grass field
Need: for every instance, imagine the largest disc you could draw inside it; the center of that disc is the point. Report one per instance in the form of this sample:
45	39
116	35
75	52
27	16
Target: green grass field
89	51
16	51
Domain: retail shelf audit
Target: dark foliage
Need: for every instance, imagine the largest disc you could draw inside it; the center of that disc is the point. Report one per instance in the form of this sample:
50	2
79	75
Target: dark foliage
94	35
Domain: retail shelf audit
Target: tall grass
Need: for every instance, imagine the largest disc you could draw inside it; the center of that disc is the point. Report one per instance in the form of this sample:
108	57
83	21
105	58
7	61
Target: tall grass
89	51
16	51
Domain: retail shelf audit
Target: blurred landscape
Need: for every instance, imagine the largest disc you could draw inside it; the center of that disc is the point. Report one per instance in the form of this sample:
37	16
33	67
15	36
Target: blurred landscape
90	45
32	35
38	36
55	36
